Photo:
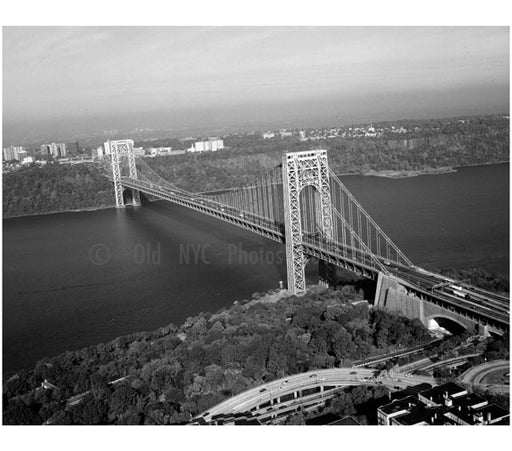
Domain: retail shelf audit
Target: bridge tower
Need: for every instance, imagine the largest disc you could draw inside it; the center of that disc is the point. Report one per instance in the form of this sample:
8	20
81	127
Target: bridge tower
119	150
302	169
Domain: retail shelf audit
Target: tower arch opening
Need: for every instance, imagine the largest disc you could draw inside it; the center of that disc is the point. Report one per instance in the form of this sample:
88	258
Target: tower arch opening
311	221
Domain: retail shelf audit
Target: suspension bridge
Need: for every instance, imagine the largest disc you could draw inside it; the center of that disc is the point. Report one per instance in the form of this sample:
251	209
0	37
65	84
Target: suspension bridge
303	204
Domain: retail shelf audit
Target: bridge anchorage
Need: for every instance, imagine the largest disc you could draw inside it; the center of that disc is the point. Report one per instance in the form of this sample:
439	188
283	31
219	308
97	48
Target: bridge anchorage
304	205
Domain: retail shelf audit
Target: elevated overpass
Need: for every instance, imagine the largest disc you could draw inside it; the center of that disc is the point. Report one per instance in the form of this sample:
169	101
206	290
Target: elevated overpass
306	390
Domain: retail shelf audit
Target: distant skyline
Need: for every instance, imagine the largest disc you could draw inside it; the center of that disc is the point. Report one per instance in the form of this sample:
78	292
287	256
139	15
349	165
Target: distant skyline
66	81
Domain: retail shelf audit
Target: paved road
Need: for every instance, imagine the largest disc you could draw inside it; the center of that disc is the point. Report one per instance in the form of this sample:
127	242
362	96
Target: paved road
395	354
336	377
475	375
431	365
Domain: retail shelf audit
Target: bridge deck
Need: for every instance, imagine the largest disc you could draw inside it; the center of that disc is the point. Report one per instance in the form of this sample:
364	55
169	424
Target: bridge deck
489	306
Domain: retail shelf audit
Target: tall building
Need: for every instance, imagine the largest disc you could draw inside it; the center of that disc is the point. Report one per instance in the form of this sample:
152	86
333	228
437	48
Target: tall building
62	150
55	150
12	153
212	145
216	144
98	153
7	154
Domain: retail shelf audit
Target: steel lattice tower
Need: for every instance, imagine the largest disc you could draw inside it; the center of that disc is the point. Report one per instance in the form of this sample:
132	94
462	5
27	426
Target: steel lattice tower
302	169
120	149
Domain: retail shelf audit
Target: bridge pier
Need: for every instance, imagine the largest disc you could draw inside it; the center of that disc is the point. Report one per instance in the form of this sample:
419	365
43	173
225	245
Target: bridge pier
327	274
136	198
390	295
393	296
483	331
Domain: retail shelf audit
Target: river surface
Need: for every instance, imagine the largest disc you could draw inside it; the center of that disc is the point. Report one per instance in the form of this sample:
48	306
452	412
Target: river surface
76	279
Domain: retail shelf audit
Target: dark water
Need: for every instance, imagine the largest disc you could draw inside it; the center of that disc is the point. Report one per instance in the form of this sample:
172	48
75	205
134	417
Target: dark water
75	279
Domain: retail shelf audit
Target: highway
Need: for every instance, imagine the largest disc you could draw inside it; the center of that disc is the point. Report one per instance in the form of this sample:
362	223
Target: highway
470	300
429	365
473	298
261	400
475	375
393	355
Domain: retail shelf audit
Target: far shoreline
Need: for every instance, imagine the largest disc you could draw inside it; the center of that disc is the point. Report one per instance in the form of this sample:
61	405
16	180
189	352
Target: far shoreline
56	212
391	174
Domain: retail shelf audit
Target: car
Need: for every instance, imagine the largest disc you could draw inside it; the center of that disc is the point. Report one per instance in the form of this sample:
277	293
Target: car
263	390
313	375
353	372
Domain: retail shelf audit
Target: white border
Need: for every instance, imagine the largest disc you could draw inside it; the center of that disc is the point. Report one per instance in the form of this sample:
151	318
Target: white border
263	12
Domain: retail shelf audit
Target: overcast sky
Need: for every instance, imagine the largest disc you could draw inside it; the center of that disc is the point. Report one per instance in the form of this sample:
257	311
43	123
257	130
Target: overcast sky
56	75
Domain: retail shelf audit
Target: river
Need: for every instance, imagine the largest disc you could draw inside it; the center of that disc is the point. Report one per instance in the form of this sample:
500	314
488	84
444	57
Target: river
76	279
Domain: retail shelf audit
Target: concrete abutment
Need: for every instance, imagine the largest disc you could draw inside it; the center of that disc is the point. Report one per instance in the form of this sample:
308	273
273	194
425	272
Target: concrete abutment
393	296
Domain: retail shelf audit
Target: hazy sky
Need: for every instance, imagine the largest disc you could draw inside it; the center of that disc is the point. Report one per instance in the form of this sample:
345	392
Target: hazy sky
85	77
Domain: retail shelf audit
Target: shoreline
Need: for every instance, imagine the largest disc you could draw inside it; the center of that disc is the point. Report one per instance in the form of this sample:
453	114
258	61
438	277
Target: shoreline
482	164
386	173
391	174
77	210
